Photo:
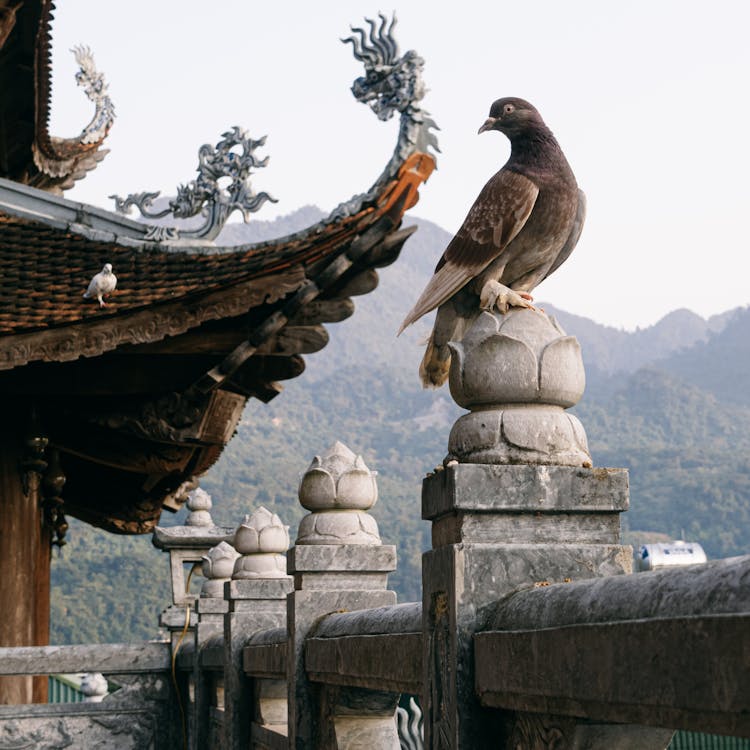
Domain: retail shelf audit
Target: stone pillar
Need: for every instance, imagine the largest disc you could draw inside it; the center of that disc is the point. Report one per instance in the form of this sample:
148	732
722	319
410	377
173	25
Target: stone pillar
515	505
338	564
256	596
210	608
187	546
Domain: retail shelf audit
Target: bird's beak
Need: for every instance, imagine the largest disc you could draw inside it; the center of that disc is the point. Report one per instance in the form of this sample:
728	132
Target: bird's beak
489	123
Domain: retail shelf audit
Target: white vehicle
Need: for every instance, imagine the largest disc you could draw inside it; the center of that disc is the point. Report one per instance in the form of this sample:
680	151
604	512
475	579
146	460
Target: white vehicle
668	554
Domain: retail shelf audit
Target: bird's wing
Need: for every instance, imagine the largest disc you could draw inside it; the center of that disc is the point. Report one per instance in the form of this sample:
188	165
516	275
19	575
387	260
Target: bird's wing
574	235
496	217
93	287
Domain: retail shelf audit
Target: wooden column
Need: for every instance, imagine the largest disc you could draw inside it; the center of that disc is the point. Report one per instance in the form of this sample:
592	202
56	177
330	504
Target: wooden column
24	567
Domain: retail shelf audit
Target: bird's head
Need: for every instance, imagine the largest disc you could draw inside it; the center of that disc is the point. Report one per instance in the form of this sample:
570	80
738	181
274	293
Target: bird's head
107	268
512	116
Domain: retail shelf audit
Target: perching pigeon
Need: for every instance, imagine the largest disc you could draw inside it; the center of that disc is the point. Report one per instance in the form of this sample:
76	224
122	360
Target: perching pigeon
102	284
524	224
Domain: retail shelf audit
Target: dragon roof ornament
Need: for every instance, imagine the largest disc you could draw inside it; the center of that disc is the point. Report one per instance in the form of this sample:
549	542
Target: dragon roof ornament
392	84
68	159
206	195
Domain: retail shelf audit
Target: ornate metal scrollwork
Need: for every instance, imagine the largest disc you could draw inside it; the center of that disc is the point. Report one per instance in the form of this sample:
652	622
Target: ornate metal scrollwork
233	157
392	83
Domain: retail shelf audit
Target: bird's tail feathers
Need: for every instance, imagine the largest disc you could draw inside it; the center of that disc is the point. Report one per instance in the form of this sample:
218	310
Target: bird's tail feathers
433	371
86	295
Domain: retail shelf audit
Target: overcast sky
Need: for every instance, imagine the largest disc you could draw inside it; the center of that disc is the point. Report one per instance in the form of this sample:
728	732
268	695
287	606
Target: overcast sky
649	100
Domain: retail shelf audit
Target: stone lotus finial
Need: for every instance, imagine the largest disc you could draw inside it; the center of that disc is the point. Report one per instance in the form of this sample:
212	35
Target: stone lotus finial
517	373
94	687
261	539
199	503
338	488
338	480
217	565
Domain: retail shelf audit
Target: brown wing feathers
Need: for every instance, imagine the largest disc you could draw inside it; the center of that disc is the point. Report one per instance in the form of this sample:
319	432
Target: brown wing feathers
496	217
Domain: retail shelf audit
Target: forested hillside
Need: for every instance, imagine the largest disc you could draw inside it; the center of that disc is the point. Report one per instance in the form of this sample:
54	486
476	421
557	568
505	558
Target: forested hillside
669	402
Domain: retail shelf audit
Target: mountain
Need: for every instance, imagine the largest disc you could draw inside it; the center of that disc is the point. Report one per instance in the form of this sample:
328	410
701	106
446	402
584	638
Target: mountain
671	402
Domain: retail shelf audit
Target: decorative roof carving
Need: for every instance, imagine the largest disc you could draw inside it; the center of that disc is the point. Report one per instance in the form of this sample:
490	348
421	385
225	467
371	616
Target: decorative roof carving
206	195
62	161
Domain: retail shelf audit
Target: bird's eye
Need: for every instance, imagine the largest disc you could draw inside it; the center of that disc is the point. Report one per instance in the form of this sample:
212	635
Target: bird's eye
508	108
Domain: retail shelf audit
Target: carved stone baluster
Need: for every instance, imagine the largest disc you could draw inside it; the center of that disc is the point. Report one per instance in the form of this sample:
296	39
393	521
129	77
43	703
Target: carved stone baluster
256	596
338	563
515	505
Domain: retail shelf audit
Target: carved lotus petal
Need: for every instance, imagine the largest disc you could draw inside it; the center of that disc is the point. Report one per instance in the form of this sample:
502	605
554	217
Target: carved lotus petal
274	538
562	378
521	357
338	527
261	532
357	489
199	499
219	561
246	540
260	566
317	490
338	479
496	370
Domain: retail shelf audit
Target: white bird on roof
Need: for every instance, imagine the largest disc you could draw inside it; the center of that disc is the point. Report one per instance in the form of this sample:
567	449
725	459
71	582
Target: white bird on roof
102	284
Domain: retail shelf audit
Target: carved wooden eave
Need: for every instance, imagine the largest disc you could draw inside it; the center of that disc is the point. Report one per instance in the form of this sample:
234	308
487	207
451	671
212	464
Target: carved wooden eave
141	396
29	153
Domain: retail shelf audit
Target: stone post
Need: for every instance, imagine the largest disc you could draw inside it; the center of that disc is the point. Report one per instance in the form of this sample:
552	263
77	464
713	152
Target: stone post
338	564
210	608
186	546
256	596
515	505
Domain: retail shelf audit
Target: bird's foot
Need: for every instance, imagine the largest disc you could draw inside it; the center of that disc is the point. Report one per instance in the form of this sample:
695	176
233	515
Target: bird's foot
494	294
102	303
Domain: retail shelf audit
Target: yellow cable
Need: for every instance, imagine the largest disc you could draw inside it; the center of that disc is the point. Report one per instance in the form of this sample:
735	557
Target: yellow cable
183	722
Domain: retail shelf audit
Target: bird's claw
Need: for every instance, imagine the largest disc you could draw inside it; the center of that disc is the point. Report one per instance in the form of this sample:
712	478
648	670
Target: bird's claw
497	295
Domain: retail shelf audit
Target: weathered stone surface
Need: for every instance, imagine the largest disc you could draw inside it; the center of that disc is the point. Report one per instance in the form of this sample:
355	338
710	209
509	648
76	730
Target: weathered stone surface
390	661
211	606
260	588
532	434
497	529
400	618
534	489
261	532
141	713
566	528
338	480
200	537
341	558
682	672
520	357
305	609
338	581
717	587
516	373
123	658
338	527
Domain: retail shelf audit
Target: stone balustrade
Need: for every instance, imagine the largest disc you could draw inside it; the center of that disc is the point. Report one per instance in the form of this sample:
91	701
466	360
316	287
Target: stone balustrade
532	633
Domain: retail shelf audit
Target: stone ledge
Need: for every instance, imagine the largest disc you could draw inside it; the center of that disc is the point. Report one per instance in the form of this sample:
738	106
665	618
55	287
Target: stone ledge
258	588
329	558
486	488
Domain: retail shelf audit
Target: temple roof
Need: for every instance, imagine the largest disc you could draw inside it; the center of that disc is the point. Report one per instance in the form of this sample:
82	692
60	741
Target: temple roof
140	396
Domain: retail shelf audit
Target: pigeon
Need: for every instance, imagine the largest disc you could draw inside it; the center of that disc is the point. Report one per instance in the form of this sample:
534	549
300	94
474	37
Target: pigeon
102	284
521	228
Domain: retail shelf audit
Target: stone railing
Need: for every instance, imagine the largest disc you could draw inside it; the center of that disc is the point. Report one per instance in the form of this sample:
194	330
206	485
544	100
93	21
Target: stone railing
140	710
531	632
